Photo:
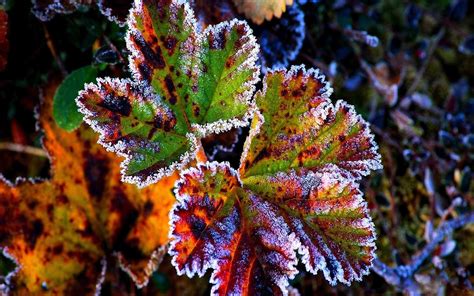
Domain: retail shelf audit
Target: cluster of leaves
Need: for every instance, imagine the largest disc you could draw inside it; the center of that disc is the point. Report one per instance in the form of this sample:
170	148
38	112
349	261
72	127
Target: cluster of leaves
296	189
275	205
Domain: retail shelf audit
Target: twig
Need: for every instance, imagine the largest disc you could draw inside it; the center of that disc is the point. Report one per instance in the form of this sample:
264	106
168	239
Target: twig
419	74
114	48
53	51
402	276
23	149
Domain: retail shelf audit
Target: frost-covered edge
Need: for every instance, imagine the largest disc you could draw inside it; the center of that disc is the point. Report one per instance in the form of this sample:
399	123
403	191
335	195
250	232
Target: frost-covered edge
213	168
250	63
335	175
370	164
152	265
108	13
5	287
118	148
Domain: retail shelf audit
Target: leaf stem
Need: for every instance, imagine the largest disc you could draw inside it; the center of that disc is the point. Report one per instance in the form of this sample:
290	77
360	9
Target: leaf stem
52	49
23	149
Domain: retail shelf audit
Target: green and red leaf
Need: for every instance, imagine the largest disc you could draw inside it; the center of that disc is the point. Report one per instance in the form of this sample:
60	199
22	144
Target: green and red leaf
202	80
218	225
296	191
300	128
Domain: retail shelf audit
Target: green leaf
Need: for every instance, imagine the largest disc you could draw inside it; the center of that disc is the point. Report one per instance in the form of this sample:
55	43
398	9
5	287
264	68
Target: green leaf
187	84
65	111
299	127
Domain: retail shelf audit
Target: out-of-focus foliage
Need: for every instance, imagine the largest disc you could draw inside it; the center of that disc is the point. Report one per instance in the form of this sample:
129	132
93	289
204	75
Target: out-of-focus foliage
260	10
66	232
116	10
280	39
64	102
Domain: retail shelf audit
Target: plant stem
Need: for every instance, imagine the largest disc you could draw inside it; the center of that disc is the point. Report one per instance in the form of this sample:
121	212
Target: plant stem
23	149
402	276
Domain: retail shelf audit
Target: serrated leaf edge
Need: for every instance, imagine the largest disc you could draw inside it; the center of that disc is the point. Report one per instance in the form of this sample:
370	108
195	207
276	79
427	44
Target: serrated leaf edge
107	12
214	167
372	164
246	97
333	173
5	287
152	265
326	92
118	148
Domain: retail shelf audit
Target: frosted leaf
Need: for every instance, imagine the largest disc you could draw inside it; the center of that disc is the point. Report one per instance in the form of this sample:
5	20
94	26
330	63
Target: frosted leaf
141	271
80	215
46	9
191	83
216	224
116	10
281	39
6	280
335	232
296	191
302	129
133	122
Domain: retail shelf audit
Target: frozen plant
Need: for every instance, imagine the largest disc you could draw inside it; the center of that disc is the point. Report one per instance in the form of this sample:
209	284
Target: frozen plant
297	188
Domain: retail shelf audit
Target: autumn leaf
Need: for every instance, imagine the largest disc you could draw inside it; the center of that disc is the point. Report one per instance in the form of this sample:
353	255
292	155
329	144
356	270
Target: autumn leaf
260	10
4	43
66	231
187	84
296	191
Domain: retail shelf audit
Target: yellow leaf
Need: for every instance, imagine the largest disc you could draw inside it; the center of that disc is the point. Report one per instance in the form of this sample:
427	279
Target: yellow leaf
260	10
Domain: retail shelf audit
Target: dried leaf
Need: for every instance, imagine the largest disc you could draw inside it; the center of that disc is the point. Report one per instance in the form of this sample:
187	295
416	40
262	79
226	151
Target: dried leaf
260	10
60	230
187	85
296	191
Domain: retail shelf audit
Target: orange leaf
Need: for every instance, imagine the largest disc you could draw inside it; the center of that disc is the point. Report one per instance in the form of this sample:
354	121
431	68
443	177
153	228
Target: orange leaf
260	10
61	231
